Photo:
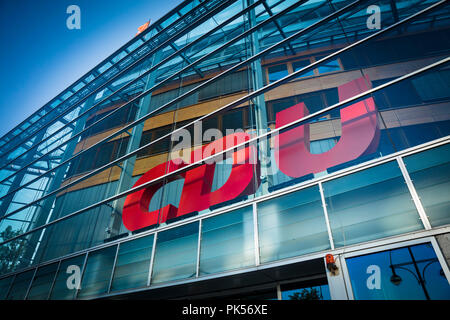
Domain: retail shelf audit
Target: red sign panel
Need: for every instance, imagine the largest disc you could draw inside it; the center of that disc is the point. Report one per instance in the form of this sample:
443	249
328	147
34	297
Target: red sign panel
360	135
196	194
359	127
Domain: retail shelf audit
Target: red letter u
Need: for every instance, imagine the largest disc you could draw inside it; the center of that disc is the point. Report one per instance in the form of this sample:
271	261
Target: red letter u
360	135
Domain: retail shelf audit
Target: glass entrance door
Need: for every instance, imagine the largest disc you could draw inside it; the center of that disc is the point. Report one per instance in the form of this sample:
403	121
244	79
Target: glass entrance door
407	273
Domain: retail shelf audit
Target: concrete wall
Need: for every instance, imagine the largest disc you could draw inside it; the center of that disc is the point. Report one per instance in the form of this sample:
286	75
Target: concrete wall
444	243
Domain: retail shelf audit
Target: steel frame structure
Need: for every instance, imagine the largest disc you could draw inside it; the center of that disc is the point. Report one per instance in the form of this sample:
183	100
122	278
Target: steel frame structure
224	108
427	234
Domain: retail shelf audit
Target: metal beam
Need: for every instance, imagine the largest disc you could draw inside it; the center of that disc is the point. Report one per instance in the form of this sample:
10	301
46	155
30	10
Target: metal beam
269	11
182	54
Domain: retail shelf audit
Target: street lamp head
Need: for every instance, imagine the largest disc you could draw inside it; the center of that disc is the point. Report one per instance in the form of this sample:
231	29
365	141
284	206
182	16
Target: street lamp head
396	279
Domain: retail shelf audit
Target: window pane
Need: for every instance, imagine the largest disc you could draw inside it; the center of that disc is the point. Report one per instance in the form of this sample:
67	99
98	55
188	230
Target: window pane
133	263
370	204
231	83
5	283
158	147
306	290
292	225
297	65
98	272
328	66
280	105
227	241
20	286
232	120
277	72
314	102
410	273
434	86
162	145
42	282
430	173
176	253
60	289
104	155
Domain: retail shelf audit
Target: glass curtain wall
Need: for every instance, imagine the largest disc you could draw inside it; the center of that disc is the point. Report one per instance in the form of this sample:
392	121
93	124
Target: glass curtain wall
259	66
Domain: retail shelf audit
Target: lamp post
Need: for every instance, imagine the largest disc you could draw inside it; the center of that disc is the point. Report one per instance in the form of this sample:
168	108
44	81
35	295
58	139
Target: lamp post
420	277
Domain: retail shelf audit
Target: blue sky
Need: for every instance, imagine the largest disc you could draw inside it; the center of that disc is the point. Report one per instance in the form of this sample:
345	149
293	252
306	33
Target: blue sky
40	56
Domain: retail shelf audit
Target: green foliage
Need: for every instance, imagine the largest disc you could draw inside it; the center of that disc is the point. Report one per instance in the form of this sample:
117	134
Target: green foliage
306	294
10	252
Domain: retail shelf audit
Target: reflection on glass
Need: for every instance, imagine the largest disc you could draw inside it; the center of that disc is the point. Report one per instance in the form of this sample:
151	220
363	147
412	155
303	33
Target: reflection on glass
370	204
20	286
409	273
297	65
133	263
430	173
60	289
5	283
176	253
292	225
227	241
329	65
277	72
42	282
306	290
97	273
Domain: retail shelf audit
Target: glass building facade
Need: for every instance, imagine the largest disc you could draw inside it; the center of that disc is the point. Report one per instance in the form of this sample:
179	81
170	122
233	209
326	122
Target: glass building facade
344	108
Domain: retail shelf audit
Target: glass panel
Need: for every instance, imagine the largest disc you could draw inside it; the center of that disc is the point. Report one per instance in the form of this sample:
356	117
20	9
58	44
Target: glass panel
97	274
72	235
306	290
227	241
20	286
176	253
292	225
5	283
409	113
61	290
370	204
42	282
405	115
328	66
277	72
430	173
133	264
410	273
297	65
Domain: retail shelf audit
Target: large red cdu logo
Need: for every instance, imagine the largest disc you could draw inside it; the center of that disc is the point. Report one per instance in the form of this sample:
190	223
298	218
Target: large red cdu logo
360	135
196	194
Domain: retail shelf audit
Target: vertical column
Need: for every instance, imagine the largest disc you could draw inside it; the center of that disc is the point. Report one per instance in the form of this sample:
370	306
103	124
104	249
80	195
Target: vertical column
126	176
83	268
325	212
258	108
199	242
336	282
113	268
30	284
45	211
414	195
256	234
444	243
152	259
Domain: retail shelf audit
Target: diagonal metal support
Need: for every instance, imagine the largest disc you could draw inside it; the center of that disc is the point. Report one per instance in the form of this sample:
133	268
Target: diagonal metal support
126	175
183	55
269	11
